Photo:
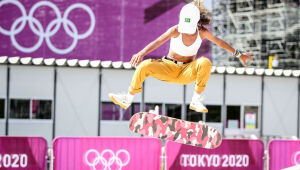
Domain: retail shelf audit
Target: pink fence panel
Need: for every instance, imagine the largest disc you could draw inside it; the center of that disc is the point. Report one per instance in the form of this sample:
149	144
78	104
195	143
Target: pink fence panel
104	153
284	154
232	154
23	153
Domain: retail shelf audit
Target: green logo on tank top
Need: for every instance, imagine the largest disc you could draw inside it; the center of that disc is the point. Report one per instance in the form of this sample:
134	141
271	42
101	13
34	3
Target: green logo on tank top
187	20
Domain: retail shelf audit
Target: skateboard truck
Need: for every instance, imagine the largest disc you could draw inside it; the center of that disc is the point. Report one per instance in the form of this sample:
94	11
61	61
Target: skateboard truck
201	122
155	111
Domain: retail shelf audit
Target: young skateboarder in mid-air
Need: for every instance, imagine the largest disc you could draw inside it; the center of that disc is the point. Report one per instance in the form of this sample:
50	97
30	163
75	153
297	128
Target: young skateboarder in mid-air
180	65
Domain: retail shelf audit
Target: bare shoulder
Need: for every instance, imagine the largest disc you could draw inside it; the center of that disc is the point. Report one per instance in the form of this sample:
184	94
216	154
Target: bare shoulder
173	31
202	29
203	32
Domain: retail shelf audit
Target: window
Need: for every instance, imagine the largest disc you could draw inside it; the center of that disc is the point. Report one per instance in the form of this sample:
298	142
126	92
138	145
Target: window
134	108
173	110
214	113
41	109
192	115
19	108
2	108
251	117
233	117
110	111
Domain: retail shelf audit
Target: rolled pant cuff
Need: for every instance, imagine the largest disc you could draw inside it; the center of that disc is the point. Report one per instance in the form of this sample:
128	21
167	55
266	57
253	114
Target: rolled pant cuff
199	89
134	91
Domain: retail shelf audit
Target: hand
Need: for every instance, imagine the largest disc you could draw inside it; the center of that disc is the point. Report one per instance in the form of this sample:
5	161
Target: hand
244	57
136	59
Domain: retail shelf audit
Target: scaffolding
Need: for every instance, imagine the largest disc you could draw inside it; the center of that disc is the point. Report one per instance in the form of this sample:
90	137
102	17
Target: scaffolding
263	27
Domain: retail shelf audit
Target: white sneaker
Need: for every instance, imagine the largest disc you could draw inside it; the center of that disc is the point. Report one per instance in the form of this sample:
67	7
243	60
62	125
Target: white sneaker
201	122
197	105
123	100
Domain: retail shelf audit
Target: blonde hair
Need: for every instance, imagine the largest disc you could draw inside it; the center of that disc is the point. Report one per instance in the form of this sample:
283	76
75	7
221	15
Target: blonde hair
205	15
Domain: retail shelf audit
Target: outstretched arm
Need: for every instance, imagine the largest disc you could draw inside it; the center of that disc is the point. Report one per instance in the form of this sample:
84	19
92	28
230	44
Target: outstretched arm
209	35
138	58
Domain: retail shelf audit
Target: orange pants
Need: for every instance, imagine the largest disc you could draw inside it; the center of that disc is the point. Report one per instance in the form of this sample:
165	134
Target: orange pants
170	72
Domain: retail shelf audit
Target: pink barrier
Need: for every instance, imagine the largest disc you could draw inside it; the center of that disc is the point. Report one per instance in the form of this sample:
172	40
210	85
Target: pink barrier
232	154
23	153
284	153
103	153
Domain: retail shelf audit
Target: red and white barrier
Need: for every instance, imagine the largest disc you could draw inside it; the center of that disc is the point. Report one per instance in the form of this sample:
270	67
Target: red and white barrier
283	154
93	153
23	153
232	154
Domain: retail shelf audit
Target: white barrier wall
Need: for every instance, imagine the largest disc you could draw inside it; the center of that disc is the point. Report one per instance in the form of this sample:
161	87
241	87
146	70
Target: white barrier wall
280	106
243	90
78	98
213	95
115	128
213	90
116	81
77	102
3	77
31	128
162	92
31	82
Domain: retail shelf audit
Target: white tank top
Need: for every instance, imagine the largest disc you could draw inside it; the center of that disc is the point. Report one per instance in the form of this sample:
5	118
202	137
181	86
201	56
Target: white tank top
179	48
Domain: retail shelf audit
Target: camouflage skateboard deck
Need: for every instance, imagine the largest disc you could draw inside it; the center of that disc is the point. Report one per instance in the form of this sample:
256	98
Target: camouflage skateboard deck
176	130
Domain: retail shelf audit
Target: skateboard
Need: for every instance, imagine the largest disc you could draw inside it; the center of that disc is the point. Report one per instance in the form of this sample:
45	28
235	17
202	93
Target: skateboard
181	131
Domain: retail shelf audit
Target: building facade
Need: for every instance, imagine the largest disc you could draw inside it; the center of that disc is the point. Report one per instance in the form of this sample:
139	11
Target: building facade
64	100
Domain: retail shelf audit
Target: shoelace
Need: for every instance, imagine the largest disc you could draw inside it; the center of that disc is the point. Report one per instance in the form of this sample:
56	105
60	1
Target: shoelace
123	96
201	98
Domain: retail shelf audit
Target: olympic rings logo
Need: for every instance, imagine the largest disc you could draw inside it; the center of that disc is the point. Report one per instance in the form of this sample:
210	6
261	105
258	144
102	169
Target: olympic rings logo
296	158
101	158
52	28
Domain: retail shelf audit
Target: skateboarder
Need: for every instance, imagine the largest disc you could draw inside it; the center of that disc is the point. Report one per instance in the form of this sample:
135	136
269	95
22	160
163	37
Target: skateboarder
180	65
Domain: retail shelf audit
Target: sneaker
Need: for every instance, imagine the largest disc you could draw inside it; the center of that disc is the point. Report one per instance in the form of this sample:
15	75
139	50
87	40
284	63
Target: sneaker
197	105
122	100
201	122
